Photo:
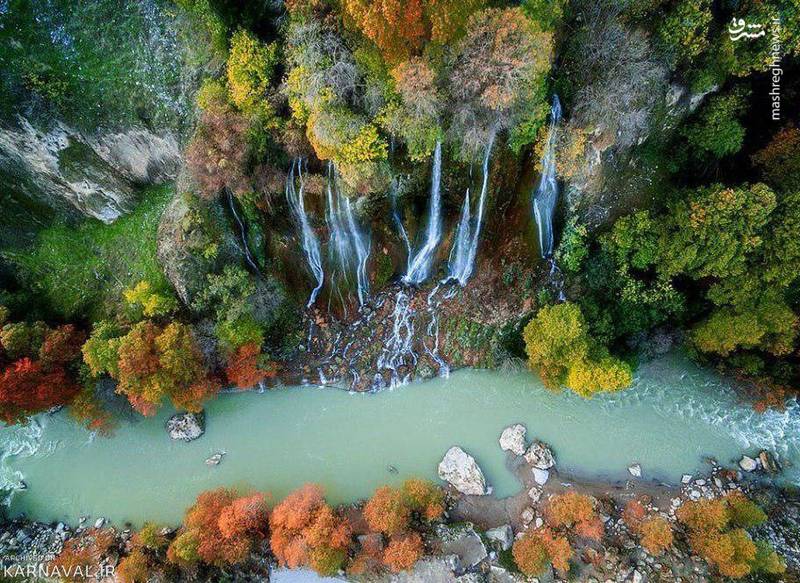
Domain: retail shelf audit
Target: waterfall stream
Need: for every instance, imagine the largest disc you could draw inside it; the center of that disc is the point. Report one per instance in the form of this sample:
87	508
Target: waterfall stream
465	246
419	265
242	233
309	238
546	194
349	245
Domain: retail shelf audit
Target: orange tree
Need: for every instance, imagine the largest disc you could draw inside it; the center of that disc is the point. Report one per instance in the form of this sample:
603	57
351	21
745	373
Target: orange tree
539	548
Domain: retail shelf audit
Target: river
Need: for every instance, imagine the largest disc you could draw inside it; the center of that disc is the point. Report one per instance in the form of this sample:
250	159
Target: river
673	416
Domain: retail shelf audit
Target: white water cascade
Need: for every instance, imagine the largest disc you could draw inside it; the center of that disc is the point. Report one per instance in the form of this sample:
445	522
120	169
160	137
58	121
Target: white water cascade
349	245
546	194
419	265
310	242
242	233
465	246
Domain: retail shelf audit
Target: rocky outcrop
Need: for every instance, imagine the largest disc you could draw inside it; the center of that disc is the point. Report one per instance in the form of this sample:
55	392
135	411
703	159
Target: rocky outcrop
186	426
513	439
460	470
77	174
503	536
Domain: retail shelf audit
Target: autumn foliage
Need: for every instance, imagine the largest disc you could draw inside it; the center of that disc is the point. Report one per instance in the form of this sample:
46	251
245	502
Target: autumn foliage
574	511
244	370
655	531
89	548
308	532
41	377
716	530
220	529
403	552
539	548
390	510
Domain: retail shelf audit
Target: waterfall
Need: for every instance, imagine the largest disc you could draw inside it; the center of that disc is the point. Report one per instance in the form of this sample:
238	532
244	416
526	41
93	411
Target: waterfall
349	245
465	246
242	233
309	238
419	266
397	220
398	351
546	194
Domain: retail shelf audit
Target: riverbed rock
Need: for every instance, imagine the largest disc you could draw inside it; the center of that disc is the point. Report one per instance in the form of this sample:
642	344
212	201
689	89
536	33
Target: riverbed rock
513	439
539	455
748	464
502	535
215	459
99	522
768	462
540	476
460	470
635	470
186	426
468	547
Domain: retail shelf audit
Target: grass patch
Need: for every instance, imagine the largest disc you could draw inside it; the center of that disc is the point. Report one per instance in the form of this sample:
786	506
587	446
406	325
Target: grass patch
80	272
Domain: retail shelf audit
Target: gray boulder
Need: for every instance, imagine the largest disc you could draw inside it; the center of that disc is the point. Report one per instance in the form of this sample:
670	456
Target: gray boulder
513	439
186	426
460	469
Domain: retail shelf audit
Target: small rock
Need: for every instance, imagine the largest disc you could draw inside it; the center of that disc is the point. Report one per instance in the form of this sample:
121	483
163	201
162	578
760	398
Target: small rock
186	426
635	470
503	535
534	494
460	469
686	478
748	464
538	522
768	462
527	515
540	476
99	522
540	456
215	459
513	439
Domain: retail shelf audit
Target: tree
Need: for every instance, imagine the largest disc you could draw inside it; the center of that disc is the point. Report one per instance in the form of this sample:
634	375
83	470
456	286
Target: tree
401	28
20	339
135	568
387	511
559	346
101	350
403	552
575	511
220	529
780	160
27	387
717	130
424	497
244	367
306	531
656	534
250	66
151	302
540	547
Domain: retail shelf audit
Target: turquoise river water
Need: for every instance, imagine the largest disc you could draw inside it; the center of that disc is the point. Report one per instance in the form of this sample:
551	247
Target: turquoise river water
275	441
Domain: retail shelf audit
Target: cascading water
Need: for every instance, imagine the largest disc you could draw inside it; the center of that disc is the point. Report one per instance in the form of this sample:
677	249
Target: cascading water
349	245
546	194
396	216
465	247
242	233
309	238
419	265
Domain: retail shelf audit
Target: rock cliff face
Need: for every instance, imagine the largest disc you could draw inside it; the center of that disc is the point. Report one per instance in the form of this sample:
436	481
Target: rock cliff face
76	174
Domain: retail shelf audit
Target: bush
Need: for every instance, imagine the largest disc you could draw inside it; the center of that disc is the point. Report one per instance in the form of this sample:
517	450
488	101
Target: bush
387	511
656	534
574	511
537	548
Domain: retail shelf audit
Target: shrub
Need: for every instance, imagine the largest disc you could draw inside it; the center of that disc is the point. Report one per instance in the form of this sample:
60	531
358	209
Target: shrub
135	568
244	367
152	303
424	497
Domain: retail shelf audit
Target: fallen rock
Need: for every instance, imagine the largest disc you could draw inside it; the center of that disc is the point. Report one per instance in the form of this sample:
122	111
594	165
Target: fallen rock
502	535
215	459
186	426
686	479
99	522
468	547
635	470
460	470
539	455
748	464
513	439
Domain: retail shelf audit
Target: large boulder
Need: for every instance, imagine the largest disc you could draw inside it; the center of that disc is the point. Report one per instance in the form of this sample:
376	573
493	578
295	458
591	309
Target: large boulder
513	439
502	535
186	426
460	470
540	456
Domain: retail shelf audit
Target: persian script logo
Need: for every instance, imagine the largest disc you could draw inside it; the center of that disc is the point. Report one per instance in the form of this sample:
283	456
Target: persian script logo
739	29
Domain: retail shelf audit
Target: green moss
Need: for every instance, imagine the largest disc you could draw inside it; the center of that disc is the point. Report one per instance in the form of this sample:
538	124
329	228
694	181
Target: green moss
81	272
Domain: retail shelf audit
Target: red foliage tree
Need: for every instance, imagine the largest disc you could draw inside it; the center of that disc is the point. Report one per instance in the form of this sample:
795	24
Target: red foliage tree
26	387
387	511
306	531
243	367
403	552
